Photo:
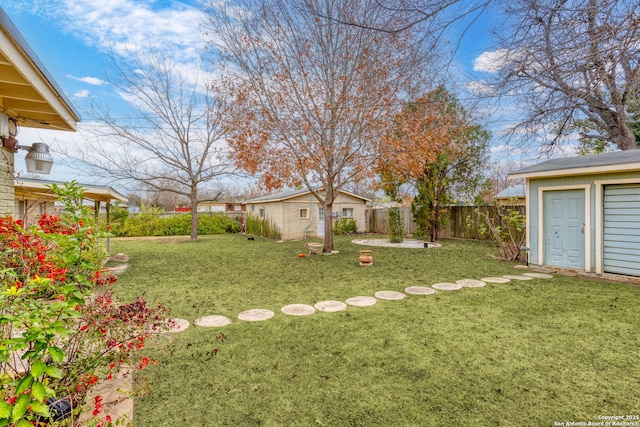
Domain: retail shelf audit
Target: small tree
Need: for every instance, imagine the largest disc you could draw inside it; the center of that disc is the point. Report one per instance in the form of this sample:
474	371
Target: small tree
435	150
396	225
172	138
506	227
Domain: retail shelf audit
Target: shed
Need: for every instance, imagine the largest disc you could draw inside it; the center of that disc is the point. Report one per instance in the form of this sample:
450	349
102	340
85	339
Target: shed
583	212
298	215
514	195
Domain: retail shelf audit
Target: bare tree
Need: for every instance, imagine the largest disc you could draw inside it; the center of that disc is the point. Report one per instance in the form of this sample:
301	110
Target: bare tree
571	61
312	97
171	140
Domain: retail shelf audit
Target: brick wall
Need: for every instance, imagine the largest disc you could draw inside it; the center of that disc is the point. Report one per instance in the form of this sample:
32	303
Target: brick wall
7	194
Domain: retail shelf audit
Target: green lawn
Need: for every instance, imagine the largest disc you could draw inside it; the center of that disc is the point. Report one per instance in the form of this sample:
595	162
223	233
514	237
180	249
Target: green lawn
519	354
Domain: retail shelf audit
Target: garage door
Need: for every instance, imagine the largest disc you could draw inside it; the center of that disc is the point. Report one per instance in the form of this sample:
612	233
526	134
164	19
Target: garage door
621	238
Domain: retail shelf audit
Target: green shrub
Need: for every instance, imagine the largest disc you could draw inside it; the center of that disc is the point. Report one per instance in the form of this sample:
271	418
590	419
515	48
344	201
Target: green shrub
151	223
396	225
345	226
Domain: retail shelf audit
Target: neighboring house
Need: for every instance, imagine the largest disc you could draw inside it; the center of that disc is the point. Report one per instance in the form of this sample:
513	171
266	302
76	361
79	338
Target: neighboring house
298	215
29	97
584	212
514	195
224	207
33	197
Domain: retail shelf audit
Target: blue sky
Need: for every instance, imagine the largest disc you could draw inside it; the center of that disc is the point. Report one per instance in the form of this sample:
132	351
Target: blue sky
73	39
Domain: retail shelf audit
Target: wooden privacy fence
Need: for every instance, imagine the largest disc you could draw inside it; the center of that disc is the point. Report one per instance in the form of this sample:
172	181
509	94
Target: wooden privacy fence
464	221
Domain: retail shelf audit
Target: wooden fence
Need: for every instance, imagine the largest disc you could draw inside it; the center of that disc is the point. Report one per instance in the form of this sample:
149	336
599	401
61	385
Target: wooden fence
464	221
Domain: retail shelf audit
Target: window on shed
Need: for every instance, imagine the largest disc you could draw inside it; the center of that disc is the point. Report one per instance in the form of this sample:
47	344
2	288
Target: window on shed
303	213
347	212
261	213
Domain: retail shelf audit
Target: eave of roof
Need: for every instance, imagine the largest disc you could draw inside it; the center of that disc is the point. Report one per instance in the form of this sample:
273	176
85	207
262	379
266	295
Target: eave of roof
28	92
617	161
40	187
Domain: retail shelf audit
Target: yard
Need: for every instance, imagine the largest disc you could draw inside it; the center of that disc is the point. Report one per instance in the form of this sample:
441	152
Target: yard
527	353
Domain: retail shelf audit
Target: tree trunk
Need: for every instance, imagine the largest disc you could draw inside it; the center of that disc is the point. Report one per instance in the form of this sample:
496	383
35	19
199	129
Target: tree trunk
328	226
194	213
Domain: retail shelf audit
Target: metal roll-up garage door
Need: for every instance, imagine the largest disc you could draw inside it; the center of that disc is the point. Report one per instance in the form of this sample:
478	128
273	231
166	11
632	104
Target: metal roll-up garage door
621	240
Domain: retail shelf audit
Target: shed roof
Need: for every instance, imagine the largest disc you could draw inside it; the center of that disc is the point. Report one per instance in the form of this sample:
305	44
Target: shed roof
28	92
290	194
512	191
617	161
40	188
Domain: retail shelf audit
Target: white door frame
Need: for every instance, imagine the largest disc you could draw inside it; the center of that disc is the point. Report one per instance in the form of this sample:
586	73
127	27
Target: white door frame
587	221
599	215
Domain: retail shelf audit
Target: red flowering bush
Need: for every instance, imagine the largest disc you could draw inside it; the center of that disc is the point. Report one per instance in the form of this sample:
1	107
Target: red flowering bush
57	339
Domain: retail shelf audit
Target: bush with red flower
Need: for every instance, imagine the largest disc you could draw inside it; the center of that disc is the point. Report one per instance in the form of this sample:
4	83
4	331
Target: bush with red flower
58	338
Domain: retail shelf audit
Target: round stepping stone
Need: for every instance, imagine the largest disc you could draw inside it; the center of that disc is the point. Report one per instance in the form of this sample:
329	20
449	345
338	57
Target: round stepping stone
495	280
256	315
177	325
471	283
515	277
209	321
361	301
419	290
447	286
538	275
330	306
390	295
298	309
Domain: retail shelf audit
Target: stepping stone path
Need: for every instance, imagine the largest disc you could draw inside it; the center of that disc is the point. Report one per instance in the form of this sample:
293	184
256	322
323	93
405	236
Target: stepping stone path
419	290
471	283
361	301
538	275
209	321
495	280
514	277
256	315
390	295
178	325
330	306
298	310
447	286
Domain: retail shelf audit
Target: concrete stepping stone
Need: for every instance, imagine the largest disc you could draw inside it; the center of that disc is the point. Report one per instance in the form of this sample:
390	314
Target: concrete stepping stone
471	283
177	325
256	315
447	286
516	277
390	295
330	306
361	301
298	310
210	321
495	280
538	275
117	269
419	290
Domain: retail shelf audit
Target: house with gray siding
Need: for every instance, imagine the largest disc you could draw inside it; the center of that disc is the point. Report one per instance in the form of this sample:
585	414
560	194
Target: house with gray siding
583	212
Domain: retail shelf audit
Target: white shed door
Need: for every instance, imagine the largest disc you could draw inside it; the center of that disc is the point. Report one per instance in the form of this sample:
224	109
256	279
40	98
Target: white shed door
621	239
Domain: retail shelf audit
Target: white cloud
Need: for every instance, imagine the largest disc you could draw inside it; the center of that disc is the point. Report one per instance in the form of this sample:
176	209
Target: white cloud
84	93
492	61
89	80
478	87
125	25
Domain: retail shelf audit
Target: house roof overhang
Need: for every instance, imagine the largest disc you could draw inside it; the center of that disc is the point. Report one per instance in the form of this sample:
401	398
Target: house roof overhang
28	94
37	188
615	162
